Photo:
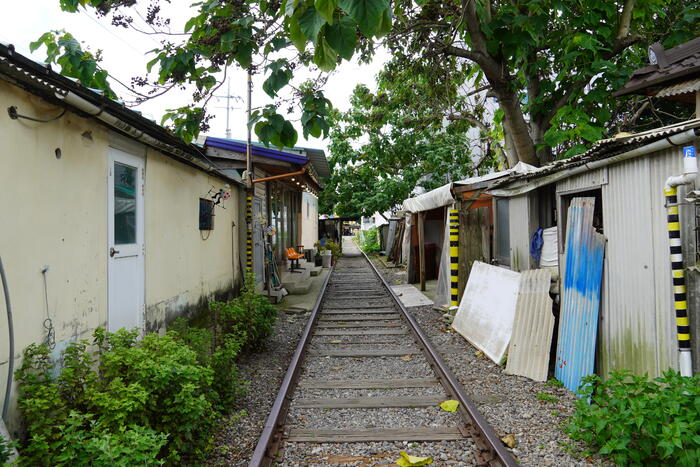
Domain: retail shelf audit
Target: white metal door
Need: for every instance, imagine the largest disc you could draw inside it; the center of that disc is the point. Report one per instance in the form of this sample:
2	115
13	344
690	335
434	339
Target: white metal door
125	235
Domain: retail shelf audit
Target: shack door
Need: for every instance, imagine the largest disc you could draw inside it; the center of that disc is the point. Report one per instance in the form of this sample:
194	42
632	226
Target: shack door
125	247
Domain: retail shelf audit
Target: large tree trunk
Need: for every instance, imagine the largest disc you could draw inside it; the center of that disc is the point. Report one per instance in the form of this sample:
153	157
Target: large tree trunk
517	128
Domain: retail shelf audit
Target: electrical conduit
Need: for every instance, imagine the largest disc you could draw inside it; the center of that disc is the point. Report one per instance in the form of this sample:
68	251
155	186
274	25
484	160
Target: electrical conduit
11	332
690	170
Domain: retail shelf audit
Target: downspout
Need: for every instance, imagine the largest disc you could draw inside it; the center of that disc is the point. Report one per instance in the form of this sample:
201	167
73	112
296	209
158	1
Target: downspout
690	171
11	341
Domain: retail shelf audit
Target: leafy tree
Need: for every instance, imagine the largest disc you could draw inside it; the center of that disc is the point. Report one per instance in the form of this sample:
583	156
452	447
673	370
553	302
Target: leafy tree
398	137
551	64
64	49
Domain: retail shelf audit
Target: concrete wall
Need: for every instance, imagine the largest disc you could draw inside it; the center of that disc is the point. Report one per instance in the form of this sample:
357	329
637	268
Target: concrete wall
54	213
309	220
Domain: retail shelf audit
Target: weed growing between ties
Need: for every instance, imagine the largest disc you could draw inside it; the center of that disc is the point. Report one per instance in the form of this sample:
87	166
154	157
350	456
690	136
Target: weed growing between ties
130	401
640	422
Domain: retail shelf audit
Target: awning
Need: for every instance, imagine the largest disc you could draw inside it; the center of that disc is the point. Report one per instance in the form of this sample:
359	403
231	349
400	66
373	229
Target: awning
436	198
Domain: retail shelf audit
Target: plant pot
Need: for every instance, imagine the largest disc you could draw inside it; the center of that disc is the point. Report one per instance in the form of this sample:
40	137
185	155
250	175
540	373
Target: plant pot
318	261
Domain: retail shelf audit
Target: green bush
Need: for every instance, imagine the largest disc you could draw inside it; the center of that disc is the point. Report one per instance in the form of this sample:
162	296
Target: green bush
640	422
336	249
123	399
370	241
5	450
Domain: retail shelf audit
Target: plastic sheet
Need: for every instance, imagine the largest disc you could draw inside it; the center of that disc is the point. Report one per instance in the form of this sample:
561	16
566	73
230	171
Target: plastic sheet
406	242
442	292
431	200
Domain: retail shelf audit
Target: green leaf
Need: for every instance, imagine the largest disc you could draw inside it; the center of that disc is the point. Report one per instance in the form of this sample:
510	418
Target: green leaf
276	81
326	8
324	56
311	23
366	13
342	37
384	24
296	35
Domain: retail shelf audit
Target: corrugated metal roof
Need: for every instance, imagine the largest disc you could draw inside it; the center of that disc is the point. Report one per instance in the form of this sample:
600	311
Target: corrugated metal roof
528	353
583	271
672	64
602	149
237	146
680	88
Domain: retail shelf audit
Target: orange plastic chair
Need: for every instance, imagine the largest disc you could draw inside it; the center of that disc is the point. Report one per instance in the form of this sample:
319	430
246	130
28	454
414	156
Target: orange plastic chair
293	256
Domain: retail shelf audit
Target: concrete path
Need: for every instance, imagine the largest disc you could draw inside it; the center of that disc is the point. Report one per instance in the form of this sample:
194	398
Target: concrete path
410	295
350	248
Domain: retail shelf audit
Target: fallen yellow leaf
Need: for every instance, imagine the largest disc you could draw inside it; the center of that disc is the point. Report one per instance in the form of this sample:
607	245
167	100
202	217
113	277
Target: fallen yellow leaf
510	441
411	461
407	358
336	341
449	405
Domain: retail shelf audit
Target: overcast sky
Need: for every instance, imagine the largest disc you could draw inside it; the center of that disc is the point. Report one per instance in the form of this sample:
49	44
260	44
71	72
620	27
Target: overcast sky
125	54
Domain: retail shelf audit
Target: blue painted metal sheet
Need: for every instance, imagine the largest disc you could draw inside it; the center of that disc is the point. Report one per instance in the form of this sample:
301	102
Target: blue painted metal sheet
256	150
578	322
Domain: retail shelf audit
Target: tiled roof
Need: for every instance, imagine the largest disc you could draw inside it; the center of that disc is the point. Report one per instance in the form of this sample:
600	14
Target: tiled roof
680	62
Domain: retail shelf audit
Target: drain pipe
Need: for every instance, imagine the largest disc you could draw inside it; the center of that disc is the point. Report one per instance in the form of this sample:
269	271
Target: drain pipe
11	332
690	171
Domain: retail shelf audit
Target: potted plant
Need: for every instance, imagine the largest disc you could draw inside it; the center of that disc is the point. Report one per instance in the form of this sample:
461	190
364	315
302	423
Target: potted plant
317	258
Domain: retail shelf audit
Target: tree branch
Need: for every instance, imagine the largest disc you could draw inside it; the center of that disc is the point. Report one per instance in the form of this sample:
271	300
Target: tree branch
623	28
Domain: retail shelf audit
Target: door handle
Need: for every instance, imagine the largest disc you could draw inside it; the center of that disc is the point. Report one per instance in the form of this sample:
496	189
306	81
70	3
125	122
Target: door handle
112	252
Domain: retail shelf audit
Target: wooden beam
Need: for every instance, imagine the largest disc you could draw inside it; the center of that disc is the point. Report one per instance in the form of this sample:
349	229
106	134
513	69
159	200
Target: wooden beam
421	249
368	383
418	433
363	352
364	332
369	402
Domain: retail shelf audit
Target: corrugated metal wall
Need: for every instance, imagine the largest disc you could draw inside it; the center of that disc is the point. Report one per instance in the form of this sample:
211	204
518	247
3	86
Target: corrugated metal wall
590	179
523	222
637	329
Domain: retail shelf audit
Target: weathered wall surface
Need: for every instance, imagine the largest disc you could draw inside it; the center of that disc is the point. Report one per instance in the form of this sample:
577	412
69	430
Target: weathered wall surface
54	213
184	264
309	220
637	324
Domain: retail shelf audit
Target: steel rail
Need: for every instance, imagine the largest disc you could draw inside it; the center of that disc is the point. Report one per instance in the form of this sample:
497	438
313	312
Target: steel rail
483	433
269	439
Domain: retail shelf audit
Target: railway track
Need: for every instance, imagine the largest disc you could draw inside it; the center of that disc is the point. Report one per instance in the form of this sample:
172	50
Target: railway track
364	373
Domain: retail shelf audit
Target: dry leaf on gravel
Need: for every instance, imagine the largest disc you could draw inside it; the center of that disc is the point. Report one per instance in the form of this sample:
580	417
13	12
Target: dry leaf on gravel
449	405
410	461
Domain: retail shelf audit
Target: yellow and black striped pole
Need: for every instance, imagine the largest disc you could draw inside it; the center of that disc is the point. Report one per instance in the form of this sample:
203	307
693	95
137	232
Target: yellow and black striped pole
454	257
678	274
249	234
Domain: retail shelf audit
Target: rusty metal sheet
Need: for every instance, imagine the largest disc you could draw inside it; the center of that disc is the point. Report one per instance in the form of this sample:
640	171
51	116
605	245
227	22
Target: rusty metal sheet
583	272
528	353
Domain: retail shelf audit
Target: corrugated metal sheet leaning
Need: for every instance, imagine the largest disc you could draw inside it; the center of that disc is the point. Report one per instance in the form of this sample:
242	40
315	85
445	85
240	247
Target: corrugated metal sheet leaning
578	323
533	326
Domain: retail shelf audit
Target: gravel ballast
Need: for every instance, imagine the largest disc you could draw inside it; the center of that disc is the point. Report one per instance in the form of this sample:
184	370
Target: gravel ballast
509	403
239	432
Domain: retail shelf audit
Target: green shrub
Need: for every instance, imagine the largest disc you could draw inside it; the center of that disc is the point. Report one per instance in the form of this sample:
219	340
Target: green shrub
5	450
370	241
123	399
248	319
640	422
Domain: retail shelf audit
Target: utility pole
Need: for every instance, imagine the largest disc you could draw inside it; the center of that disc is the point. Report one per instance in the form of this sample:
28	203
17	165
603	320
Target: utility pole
228	107
248	156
